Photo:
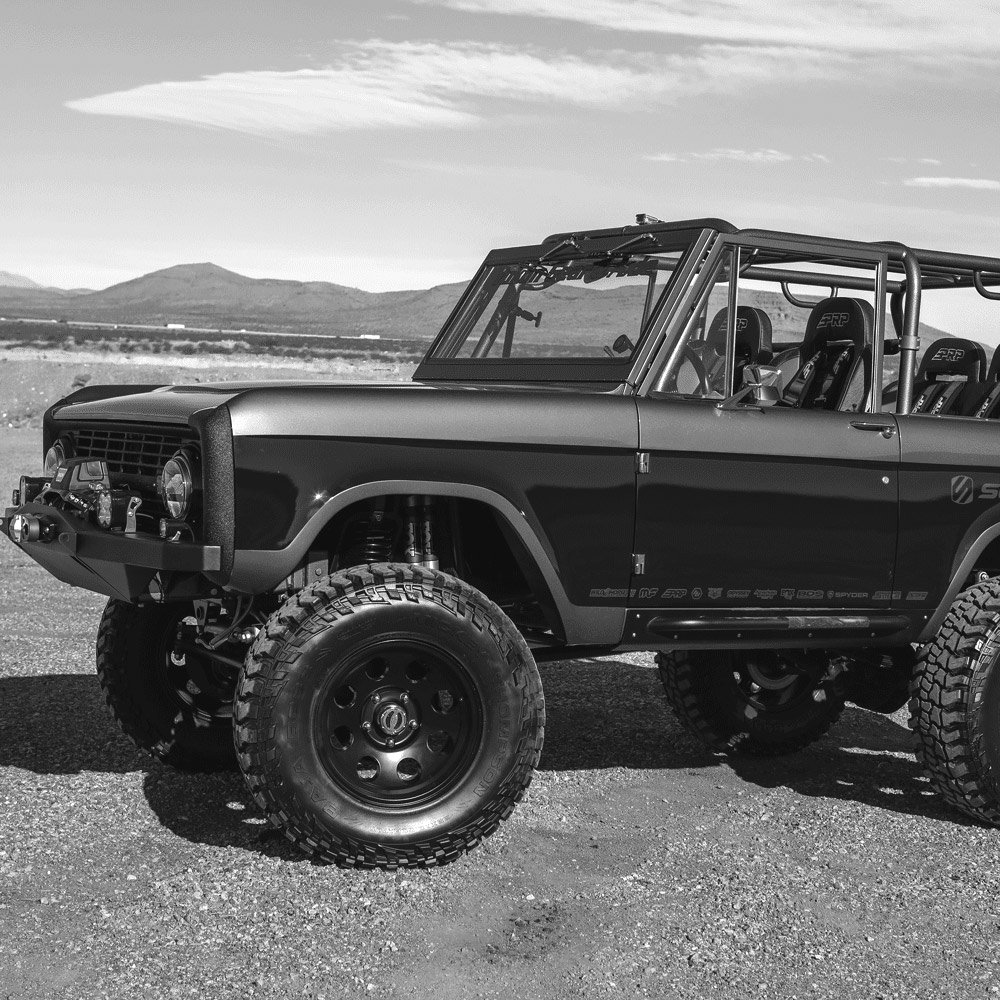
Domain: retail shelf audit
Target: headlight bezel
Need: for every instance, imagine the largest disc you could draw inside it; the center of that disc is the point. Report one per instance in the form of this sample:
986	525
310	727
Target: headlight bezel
60	452
177	484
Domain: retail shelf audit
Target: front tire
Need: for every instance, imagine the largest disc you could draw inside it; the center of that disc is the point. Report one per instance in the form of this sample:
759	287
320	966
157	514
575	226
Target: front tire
955	704
171	702
389	716
759	702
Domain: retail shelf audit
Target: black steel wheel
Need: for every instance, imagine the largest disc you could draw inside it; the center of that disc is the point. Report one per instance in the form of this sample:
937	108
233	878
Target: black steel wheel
389	716
168	698
955	704
398	722
763	702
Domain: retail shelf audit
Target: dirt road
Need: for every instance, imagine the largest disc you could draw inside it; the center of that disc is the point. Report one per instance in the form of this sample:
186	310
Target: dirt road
638	865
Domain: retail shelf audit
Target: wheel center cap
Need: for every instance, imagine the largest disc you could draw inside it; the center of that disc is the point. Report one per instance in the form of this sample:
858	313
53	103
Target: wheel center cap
392	719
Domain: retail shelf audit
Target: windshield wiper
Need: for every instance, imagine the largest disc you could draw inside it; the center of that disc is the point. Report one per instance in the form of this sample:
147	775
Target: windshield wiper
568	242
631	242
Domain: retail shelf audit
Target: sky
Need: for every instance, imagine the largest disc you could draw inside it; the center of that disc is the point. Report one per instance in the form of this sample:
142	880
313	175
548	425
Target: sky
392	143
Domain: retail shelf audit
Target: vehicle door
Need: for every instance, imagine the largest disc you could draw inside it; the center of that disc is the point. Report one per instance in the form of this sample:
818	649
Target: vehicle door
788	502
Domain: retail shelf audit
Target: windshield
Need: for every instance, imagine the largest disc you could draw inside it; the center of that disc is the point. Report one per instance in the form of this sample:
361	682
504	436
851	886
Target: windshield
586	308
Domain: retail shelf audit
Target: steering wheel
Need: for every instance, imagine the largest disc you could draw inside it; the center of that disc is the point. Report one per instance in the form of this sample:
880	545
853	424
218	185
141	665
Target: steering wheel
690	357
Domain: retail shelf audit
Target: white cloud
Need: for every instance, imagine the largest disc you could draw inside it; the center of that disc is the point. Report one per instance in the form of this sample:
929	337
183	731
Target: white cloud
976	183
263	102
926	161
853	25
379	84
746	156
739	156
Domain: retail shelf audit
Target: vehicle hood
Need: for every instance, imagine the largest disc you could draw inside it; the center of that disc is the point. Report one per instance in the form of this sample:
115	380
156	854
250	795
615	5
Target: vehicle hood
426	410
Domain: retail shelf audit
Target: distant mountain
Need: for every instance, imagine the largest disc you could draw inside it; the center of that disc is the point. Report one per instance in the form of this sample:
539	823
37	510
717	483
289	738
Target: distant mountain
206	295
10	280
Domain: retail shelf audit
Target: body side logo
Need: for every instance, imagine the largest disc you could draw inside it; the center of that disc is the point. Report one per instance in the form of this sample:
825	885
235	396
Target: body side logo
963	489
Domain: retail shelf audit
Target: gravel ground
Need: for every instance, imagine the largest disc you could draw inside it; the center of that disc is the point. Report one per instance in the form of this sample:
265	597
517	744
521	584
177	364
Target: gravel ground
638	864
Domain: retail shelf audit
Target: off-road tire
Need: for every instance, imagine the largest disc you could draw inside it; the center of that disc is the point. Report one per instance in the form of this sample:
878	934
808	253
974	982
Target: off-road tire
154	700
388	634
716	708
955	704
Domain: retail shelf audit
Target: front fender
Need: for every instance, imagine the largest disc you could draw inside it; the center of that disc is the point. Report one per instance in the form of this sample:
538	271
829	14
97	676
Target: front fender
259	570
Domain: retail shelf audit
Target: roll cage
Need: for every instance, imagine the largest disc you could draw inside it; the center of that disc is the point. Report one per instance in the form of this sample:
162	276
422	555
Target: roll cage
901	273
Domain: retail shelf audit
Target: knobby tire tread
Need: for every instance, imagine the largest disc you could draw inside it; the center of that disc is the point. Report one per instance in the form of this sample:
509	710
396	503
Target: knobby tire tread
945	703
678	670
278	646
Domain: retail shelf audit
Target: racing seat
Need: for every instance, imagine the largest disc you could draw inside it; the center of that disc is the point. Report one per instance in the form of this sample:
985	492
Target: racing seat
985	403
834	355
950	368
753	345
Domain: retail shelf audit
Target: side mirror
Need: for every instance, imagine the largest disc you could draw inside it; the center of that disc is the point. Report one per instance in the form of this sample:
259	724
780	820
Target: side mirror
761	377
760	388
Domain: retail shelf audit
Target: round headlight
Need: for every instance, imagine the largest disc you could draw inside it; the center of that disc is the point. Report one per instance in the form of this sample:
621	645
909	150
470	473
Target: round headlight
56	455
177	485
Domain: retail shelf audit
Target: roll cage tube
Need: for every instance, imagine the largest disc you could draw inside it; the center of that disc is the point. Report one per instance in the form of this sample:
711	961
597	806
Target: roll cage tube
744	246
909	340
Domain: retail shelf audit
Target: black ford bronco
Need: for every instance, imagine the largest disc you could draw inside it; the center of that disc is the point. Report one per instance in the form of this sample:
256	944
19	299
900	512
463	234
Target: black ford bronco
722	445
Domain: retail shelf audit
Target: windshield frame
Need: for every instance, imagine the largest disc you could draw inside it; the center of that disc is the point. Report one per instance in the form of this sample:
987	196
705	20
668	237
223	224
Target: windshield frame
542	369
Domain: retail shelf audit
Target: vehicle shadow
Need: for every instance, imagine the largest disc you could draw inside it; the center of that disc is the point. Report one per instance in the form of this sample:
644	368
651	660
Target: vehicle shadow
607	712
57	724
600	714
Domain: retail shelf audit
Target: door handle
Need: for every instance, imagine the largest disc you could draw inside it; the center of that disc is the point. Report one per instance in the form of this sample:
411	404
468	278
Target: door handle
886	430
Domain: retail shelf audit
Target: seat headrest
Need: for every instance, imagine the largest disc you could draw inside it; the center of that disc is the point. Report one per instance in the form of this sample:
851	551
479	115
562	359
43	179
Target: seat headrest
753	332
836	319
954	356
993	375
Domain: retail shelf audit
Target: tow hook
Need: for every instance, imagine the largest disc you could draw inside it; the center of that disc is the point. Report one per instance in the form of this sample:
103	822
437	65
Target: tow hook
29	528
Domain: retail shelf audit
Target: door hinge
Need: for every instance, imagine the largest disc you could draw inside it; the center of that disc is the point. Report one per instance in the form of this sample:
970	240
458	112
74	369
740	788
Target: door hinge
642	462
638	563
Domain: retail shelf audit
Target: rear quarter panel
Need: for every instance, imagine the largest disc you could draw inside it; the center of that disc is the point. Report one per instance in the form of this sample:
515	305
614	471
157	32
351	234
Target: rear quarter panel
949	493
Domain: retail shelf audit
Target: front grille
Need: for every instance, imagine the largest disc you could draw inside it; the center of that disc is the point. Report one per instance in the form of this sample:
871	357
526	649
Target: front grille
129	453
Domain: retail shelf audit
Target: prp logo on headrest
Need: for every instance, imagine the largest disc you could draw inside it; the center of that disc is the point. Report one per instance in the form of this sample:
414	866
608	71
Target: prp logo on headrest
741	323
949	354
833	321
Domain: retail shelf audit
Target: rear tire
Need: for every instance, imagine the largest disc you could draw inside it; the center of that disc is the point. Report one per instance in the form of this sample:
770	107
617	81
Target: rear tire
389	716
955	704
170	702
740	702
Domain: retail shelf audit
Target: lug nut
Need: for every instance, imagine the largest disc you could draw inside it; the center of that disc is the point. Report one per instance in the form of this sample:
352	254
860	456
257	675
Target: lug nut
366	726
390	743
413	723
404	697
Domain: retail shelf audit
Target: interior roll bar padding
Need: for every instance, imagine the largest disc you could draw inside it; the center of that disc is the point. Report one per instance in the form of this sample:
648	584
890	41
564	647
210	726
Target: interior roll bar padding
977	280
800	302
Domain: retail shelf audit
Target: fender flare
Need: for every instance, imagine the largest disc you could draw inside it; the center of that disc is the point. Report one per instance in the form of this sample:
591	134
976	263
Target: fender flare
257	570
959	575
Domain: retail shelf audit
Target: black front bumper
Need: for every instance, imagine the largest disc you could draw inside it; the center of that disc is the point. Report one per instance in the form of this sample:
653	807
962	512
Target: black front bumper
108	562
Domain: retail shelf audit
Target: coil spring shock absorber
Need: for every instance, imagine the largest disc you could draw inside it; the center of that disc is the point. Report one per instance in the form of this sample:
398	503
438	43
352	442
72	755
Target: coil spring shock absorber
419	550
370	538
